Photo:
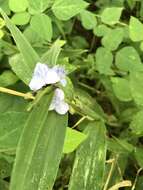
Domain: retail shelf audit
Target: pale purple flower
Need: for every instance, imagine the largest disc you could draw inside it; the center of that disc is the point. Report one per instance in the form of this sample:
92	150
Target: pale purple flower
58	102
44	75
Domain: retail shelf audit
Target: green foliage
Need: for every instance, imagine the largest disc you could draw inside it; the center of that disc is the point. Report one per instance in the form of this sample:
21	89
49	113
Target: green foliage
128	59
73	139
21	18
88	19
17	6
136	124
111	15
90	159
68	8
11	126
136	87
121	88
104	59
36	6
29	55
135	29
99	46
41	140
39	21
8	78
116	35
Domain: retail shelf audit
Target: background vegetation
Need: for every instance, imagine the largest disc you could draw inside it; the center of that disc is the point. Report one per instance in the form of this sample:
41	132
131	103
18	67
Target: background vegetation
98	145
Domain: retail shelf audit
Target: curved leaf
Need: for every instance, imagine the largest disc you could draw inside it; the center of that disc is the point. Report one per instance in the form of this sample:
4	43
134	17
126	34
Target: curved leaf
38	149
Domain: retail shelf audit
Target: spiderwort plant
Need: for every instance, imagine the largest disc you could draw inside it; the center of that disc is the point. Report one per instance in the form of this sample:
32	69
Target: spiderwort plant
44	75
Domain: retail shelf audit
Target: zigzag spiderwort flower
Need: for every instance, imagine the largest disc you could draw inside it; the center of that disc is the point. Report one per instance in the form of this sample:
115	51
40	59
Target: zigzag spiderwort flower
44	75
58	103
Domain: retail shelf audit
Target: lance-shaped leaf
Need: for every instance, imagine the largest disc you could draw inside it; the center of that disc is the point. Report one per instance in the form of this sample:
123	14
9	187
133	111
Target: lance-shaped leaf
88	169
29	55
38	152
51	56
10	129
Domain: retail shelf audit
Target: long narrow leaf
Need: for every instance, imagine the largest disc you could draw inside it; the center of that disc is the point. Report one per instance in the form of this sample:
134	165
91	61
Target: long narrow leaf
88	169
38	152
29	55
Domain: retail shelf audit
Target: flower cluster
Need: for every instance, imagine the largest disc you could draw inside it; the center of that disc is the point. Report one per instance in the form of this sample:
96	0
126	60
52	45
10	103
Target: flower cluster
44	75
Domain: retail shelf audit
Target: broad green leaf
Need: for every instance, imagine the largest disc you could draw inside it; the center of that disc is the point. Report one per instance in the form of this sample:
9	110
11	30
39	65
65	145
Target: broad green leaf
38	146
113	39
88	19
5	169
41	24
135	30
11	127
73	139
89	164
136	124
29	55
51	56
136	86
12	103
121	88
17	6
21	18
38	6
64	10
101	30
8	78
111	15
33	36
128	59
104	59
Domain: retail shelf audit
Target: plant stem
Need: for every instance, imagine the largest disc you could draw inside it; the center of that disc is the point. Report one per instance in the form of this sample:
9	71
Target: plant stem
16	93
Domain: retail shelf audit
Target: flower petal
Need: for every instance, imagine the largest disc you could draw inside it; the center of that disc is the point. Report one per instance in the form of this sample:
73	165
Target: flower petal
62	108
36	83
51	77
38	79
60	71
58	104
57	98
59	95
41	70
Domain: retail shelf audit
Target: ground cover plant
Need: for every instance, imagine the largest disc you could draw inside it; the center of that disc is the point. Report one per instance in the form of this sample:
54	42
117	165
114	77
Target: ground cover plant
71	94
